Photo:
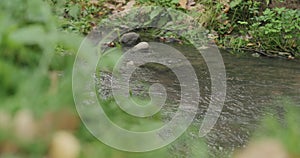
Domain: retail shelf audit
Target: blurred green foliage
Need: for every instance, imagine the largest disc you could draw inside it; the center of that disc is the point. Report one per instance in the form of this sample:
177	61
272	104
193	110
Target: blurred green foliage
28	36
36	62
284	127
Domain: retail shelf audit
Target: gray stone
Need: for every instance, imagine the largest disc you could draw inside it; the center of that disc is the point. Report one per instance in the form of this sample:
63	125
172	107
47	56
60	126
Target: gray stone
256	55
142	46
130	39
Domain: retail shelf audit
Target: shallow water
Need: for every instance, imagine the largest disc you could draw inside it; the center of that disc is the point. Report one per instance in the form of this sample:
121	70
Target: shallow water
253	85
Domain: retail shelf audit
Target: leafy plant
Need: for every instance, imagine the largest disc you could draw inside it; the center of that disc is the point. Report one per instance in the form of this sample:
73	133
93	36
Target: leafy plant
278	29
273	32
163	3
78	16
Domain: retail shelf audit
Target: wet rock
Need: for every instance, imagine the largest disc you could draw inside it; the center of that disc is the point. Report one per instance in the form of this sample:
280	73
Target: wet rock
291	57
130	39
263	149
142	46
64	145
256	55
130	63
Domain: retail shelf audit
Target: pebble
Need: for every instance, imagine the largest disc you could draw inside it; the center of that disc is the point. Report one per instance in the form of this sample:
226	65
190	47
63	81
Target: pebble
141	46
64	145
130	63
25	127
256	55
220	148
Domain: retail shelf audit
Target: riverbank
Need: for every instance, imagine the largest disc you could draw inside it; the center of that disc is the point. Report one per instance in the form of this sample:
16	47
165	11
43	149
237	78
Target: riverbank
268	28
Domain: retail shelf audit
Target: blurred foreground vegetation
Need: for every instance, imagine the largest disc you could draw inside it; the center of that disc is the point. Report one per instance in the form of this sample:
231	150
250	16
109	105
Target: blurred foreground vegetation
38	41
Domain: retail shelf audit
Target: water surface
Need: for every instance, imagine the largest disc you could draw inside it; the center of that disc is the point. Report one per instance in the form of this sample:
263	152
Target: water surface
253	85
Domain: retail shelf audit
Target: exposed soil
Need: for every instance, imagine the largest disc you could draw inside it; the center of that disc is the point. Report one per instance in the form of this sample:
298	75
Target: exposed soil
291	4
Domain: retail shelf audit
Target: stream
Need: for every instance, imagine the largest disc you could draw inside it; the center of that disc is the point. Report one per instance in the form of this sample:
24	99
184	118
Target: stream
253	85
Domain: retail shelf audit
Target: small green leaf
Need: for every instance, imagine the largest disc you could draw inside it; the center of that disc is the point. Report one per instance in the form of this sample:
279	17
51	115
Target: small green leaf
33	34
243	22
162	21
74	11
110	58
175	1
235	3
154	13
38	11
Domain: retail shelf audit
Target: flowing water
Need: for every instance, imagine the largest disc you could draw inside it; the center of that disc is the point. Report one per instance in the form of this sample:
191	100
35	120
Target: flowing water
253	85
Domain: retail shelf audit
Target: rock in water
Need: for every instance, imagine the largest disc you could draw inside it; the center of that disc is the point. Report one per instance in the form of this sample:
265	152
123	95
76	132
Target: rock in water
130	39
142	46
25	127
64	145
256	55
130	63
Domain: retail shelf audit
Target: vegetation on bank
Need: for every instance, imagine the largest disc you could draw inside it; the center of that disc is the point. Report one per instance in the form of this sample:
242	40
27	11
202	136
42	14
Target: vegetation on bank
262	26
